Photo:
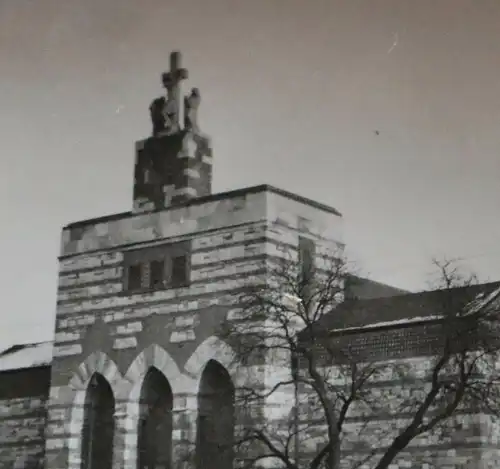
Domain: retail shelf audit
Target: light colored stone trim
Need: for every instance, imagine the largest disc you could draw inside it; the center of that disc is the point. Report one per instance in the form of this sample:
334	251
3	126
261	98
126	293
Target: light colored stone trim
140	144
124	343
55	392
97	362
129	328
90	261
184	335
187	190
65	240
64	336
83	306
108	264
191	172
98	275
157	357
89	291
212	215
142	205
120	428
67	350
212	349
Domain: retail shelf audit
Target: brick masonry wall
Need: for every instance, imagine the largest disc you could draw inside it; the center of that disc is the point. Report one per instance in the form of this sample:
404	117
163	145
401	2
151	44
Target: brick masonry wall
467	441
23	396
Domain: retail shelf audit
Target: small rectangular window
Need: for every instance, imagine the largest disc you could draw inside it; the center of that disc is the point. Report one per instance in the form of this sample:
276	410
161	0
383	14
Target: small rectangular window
179	271
134	281
306	258
306	267
157	267
157	274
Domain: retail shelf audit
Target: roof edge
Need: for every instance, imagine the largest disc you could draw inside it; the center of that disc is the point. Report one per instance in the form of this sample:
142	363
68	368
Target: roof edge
210	198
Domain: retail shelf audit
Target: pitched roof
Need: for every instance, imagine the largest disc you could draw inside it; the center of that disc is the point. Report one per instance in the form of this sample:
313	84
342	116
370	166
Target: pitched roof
26	356
407	309
362	288
399	326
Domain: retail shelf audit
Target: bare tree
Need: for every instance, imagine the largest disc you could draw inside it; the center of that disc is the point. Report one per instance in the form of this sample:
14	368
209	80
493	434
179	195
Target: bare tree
327	381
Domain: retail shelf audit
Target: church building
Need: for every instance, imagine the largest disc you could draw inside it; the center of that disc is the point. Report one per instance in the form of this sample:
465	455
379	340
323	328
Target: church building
136	376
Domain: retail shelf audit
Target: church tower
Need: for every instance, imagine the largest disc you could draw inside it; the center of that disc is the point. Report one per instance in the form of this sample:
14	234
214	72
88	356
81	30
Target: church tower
174	165
141	377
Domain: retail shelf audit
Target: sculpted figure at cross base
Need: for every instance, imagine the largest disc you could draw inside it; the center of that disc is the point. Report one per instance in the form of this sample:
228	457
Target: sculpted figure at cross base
191	104
170	113
165	110
158	116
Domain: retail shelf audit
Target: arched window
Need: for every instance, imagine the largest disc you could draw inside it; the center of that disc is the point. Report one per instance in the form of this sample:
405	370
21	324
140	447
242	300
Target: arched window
98	425
215	426
154	444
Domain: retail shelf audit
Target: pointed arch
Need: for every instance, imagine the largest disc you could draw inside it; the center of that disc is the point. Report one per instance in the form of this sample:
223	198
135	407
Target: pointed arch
157	357
215	349
97	363
216	418
98	427
155	425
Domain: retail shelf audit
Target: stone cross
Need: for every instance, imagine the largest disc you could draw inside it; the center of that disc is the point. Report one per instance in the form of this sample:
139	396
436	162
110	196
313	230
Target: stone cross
171	82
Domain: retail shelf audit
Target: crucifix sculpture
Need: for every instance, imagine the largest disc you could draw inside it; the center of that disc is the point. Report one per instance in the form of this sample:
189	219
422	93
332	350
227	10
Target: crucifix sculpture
171	81
166	110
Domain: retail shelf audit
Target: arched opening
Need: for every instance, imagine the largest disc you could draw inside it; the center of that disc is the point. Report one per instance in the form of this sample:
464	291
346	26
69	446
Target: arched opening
98	425
215	426
154	444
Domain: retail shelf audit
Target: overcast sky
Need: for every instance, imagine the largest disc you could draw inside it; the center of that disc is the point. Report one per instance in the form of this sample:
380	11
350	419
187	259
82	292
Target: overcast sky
294	93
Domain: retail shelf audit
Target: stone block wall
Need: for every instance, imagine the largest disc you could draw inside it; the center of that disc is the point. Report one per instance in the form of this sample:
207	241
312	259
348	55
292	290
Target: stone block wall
490	441
170	329
171	169
465	441
102	328
288	221
23	397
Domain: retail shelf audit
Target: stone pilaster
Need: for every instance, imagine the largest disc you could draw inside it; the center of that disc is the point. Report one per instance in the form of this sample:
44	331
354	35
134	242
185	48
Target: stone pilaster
185	411
128	424
120	435
75	427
